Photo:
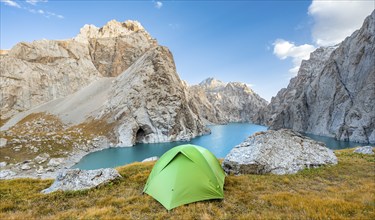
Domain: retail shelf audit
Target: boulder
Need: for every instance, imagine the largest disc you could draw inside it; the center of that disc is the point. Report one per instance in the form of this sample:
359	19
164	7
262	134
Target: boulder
364	150
3	164
3	142
41	158
76	179
54	162
154	158
278	152
5	174
25	167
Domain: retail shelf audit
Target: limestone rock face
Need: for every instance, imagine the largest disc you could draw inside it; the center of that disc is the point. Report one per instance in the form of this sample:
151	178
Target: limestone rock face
45	70
220	102
76	179
147	103
278	152
38	72
334	92
115	46
150	103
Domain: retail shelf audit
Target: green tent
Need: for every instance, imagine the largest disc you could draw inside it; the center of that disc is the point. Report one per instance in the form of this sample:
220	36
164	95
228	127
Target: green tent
185	174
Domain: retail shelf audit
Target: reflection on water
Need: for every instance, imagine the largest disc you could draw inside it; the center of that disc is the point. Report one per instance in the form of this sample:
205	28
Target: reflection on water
222	139
333	143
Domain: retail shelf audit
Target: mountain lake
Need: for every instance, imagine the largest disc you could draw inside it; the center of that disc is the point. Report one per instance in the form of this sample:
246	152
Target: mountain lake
221	140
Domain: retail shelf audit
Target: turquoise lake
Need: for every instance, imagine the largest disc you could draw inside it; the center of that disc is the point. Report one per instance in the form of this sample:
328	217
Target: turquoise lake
221	140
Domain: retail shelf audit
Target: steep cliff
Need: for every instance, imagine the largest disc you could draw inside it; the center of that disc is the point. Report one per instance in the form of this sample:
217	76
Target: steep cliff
116	45
220	102
149	102
44	70
334	91
37	72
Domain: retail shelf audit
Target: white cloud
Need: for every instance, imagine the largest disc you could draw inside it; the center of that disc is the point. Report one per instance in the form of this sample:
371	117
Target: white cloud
34	2
49	14
11	3
335	20
40	11
284	49
158	4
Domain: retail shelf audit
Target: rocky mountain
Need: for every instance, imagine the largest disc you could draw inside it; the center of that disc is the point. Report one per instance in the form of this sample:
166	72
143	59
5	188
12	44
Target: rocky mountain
334	92
115	46
44	70
38	72
220	102
149	102
108	86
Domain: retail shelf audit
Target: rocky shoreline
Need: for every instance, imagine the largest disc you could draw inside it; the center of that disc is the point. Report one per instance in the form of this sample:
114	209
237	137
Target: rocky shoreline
16	171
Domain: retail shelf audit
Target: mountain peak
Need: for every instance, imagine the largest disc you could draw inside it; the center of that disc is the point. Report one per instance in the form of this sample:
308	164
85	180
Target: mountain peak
212	82
113	28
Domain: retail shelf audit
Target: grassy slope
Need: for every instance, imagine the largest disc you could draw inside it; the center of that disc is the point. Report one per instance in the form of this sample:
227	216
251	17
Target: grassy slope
343	191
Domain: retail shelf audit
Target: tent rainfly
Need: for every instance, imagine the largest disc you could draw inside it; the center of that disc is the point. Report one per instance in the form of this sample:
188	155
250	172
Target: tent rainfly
185	174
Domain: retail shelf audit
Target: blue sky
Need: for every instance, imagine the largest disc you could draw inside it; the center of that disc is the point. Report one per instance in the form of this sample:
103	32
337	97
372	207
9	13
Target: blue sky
256	42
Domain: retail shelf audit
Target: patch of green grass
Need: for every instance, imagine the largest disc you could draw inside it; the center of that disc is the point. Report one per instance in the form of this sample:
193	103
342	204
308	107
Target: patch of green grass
344	191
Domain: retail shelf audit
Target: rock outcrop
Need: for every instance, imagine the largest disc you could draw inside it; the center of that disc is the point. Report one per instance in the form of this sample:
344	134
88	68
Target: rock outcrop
334	92
364	150
278	152
76	179
115	46
147	103
150	103
45	70
219	102
38	72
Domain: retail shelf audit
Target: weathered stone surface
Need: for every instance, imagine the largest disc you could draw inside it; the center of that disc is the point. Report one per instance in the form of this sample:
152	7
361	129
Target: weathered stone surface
365	150
150	103
334	92
278	152
54	162
3	164
44	70
25	167
154	158
115	46
38	72
76	179
6	174
219	102
41	158
3	142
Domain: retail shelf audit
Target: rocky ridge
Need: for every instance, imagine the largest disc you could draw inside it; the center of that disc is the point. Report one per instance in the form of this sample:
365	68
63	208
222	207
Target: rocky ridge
334	92
219	102
115	46
45	70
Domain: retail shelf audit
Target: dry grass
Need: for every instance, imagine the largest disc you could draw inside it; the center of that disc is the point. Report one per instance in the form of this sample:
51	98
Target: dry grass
50	135
345	191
